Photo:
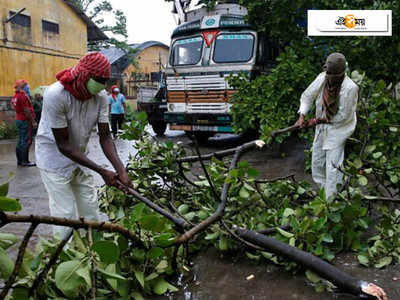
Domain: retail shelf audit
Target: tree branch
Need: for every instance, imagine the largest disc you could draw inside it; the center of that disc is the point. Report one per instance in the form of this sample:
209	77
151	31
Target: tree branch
20	258
50	264
76	224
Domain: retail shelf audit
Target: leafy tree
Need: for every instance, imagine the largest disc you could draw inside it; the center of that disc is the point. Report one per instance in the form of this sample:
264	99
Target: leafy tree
96	10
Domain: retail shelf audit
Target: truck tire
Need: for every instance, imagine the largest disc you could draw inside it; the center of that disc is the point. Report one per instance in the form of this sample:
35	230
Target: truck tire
201	137
159	128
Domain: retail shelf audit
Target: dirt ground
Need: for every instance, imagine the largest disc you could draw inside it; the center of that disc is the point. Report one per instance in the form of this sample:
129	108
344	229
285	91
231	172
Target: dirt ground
213	276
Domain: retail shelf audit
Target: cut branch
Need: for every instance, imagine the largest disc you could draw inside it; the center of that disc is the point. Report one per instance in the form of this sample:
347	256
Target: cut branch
339	278
76	224
18	263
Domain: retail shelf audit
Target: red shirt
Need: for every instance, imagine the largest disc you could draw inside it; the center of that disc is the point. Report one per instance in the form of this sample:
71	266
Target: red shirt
19	102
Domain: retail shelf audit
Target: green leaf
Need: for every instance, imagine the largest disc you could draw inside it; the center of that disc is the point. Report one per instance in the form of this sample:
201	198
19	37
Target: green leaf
223	244
112	282
244	193
67	280
301	190
254	173
161	287
314	278
4	186
183	209
285	233
362	180
164	240
85	274
137	296
111	275
288	212
10	205
376	155
383	262
358	164
140	277
363	260
327	238
107	250
6	265
155	253
7	240
212	236
162	266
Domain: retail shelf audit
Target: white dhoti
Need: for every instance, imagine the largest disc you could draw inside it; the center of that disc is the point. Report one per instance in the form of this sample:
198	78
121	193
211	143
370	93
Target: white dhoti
325	164
70	198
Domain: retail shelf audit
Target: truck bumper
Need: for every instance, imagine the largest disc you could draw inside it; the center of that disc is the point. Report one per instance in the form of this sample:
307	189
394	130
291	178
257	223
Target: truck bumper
199	122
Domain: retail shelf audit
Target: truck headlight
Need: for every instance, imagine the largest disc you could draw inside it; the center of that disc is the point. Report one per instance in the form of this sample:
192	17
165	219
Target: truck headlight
171	107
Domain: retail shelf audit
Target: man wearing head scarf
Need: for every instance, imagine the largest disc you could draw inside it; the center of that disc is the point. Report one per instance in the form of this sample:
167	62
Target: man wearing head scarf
117	109
72	107
25	120
336	97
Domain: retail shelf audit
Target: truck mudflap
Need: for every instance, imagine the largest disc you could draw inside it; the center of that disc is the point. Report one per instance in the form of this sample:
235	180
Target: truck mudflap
199	122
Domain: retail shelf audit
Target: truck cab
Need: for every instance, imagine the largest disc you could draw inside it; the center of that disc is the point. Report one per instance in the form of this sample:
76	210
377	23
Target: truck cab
205	50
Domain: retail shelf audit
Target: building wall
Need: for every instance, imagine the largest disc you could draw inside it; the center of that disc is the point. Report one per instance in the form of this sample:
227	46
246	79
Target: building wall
34	54
147	62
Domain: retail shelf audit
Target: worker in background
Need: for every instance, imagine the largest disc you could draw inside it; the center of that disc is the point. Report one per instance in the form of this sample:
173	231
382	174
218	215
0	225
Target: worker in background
336	97
37	104
72	107
25	120
117	109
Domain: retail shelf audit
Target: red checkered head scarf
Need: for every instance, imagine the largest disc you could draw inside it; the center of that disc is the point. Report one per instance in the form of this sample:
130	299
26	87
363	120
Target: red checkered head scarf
92	65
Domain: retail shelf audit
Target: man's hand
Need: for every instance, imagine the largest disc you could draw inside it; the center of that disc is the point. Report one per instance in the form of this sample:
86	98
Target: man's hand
300	122
34	124
124	178
110	178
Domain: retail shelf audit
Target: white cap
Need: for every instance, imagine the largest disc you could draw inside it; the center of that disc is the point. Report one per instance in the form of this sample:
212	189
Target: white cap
116	90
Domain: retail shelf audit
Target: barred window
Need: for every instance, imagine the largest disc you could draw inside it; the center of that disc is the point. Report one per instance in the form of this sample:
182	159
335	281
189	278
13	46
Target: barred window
20	19
50	27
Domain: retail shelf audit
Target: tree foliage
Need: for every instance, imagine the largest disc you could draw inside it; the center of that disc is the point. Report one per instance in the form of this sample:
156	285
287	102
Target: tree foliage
97	10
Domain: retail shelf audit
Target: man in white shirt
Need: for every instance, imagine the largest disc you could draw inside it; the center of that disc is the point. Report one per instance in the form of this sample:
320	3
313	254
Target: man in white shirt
72	107
336	97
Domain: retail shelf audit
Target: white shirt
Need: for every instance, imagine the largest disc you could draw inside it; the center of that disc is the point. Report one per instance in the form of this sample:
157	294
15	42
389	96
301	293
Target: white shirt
344	122
62	110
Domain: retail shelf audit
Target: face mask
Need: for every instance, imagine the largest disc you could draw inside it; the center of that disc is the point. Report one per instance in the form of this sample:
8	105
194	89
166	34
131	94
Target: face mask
94	87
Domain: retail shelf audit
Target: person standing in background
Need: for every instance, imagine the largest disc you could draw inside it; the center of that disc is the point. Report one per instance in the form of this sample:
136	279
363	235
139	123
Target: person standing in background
117	109
25	120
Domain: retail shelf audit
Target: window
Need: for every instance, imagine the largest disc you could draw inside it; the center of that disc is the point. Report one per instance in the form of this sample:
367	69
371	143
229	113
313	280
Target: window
50	27
233	47
187	51
20	19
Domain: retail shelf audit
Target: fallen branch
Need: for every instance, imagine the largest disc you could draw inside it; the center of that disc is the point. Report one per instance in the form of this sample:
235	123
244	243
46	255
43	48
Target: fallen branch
40	279
18	263
224	196
339	278
377	198
76	224
218	155
180	223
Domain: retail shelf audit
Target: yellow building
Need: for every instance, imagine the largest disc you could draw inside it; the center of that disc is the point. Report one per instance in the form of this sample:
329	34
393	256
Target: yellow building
149	59
46	37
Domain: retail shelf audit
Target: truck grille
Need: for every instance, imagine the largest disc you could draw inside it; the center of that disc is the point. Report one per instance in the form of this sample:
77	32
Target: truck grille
207	108
197	83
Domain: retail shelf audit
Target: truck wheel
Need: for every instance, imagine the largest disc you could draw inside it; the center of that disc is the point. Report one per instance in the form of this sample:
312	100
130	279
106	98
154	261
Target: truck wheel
201	137
159	128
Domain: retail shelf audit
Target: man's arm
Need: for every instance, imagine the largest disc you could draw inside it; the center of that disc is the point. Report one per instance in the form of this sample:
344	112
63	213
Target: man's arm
110	152
61	136
31	119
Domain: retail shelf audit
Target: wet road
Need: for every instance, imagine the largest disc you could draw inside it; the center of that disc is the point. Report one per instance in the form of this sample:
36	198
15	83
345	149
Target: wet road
213	277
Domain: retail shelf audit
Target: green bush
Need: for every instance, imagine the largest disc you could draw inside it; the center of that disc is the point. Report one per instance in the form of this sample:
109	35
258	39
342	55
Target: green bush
8	131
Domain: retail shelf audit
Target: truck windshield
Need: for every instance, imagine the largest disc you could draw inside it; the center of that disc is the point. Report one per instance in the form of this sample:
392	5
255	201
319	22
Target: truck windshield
187	51
233	48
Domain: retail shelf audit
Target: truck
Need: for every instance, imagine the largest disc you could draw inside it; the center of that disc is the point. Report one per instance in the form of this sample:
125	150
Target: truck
207	47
